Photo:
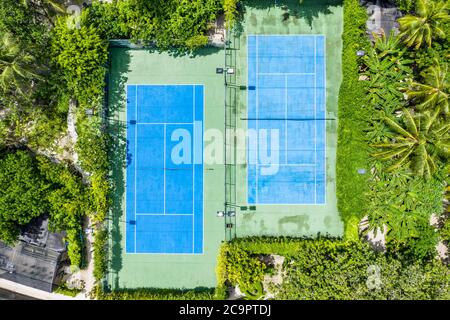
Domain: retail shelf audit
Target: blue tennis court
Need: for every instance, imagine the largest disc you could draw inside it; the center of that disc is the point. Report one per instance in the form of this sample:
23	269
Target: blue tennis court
164	189
286	95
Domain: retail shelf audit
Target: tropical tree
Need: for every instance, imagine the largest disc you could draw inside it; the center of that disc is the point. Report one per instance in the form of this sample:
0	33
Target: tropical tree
17	66
23	193
387	66
47	8
433	92
388	45
420	142
420	29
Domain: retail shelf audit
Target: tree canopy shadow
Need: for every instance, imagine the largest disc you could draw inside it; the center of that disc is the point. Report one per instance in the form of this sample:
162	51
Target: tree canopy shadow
118	69
299	9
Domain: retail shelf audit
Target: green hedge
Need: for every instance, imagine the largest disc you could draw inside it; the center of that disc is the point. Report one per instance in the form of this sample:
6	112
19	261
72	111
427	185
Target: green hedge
170	24
236	266
352	150
63	289
324	269
157	294
100	253
231	12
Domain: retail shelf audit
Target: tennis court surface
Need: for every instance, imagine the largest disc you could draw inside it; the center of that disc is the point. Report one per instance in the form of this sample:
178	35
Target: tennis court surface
286	94
164	189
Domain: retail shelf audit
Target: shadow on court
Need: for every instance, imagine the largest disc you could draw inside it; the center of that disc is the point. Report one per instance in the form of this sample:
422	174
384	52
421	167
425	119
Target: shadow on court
308	10
118	157
180	52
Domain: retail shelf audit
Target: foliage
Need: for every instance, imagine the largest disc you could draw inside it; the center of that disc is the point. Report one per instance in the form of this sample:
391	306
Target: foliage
167	24
324	269
157	294
23	193
239	267
433	93
71	292
81	54
231	12
404	203
74	249
420	29
352	150
406	93
17	67
68	201
47	9
32	186
68	197
255	292
100	253
405	5
445	231
420	142
24	23
31	93
99	193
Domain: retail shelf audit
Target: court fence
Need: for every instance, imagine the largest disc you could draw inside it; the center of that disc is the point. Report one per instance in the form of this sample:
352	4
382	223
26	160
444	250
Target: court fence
230	125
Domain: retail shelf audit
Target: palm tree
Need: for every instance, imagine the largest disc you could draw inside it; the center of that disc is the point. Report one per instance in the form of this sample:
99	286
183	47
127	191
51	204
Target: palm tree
422	140
387	66
421	28
16	67
52	4
433	93
387	45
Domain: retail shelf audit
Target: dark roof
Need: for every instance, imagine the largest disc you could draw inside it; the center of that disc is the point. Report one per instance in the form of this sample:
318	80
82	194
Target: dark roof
11	295
37	233
34	260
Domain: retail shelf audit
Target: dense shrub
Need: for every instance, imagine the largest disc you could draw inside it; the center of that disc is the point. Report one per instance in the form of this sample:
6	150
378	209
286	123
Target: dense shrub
352	149
23	193
71	292
238	267
31	186
231	12
100	253
157	294
351	270
81	54
168	24
323	269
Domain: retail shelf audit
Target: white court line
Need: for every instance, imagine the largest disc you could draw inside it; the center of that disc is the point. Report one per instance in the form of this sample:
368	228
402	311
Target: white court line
287	164
286	74
257	116
135	165
163	123
286	121
286	99
164	214
315	122
135	176
324	63
193	170
203	167
164	155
